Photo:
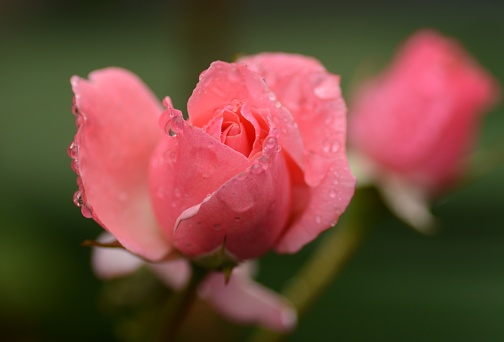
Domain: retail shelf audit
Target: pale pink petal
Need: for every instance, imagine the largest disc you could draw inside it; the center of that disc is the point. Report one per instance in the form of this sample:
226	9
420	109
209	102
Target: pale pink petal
187	167
117	119
113	262
244	301
224	83
313	96
174	274
247	213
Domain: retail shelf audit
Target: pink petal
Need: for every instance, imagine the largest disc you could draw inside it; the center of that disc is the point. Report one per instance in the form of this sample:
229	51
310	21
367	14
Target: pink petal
313	96
245	301
113	262
188	167
223	83
174	273
247	213
117	132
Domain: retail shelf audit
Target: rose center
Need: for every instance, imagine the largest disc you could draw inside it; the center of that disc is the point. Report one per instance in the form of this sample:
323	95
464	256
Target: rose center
235	126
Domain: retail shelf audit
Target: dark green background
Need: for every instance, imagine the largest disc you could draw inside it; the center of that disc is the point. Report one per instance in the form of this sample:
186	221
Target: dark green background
401	286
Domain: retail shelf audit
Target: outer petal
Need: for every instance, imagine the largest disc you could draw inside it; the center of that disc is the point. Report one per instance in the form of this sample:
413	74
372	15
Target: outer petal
247	213
117	132
313	96
116	262
113	262
224	82
188	167
245	301
174	274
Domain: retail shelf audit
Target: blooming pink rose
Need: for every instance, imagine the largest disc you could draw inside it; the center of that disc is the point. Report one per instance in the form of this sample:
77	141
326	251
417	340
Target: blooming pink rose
418	118
240	299
260	164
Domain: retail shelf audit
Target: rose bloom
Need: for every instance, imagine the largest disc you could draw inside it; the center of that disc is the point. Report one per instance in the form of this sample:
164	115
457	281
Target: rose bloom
260	163
416	120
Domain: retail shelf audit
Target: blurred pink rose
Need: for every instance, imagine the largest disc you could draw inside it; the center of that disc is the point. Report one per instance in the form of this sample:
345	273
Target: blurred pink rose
418	118
240	300
260	164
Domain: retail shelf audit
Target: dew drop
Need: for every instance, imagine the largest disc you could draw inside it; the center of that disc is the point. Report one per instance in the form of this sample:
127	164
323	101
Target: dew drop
75	165
206	175
237	218
332	193
278	104
172	133
202	74
270	143
86	212
318	219
272	96
335	147
77	198
72	150
256	169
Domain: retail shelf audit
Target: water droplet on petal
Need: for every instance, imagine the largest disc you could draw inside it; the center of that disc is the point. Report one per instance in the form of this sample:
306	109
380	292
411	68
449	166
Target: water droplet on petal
237	218
270	143
206	175
318	219
332	193
72	149
86	212
256	169
172	133
335	147
272	96
278	104
77	198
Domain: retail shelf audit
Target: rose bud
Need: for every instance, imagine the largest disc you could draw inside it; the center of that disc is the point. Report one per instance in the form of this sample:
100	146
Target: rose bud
413	124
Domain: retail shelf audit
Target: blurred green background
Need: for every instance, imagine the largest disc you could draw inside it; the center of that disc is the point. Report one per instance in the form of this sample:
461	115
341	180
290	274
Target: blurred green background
400	286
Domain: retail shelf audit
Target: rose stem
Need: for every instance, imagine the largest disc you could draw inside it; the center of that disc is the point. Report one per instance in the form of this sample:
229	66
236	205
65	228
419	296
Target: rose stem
179	308
329	258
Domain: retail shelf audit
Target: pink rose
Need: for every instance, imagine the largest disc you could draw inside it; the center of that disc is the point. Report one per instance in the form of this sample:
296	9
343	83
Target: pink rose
260	164
418	118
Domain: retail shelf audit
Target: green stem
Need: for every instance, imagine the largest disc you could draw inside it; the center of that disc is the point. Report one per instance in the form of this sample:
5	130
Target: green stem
179	308
328	260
